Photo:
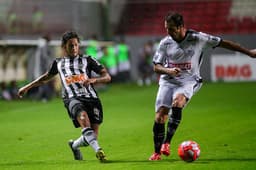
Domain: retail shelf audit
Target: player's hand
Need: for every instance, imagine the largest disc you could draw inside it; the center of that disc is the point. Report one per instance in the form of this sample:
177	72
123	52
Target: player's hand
89	81
174	71
22	91
253	55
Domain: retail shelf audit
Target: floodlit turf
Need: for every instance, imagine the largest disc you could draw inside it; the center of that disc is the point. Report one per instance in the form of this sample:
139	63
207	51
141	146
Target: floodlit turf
221	118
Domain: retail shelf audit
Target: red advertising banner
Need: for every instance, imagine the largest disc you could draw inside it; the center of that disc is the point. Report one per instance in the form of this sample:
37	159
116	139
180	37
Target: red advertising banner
231	68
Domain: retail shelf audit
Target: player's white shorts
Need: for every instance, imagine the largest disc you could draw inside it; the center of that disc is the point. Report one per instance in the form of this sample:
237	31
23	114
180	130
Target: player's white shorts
166	93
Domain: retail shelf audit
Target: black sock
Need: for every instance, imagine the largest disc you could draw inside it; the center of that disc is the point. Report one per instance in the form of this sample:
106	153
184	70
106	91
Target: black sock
173	123
158	130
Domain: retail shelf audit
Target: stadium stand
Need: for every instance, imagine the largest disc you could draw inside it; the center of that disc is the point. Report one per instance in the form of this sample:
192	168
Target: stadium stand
23	10
213	16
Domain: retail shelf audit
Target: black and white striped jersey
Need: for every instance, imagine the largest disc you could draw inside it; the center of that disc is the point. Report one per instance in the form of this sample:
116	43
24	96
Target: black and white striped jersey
73	71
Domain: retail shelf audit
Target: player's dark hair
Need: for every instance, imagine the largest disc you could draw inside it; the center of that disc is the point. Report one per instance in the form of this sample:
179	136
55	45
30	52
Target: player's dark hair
69	35
175	17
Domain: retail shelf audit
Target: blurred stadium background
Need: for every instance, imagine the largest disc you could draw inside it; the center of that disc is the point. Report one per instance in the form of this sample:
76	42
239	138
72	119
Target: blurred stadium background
26	26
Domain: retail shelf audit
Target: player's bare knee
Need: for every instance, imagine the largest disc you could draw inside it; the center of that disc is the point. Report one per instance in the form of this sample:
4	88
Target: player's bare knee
179	101
161	115
83	115
178	104
159	118
83	119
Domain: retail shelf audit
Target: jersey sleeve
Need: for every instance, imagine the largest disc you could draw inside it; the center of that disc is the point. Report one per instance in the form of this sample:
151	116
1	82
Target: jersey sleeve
94	65
159	55
210	40
53	70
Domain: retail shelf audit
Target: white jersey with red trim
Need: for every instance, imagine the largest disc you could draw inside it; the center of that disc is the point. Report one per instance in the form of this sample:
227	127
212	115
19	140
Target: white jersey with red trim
186	55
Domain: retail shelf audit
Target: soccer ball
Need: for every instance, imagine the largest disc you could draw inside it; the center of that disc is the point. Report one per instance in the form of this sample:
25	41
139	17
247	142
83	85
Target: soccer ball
189	151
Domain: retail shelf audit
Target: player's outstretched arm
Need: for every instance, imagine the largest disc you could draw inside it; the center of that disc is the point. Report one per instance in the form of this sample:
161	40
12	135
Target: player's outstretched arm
39	81
237	47
254	53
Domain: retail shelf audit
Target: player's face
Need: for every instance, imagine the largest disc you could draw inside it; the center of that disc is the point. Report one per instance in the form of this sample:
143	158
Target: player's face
72	47
174	31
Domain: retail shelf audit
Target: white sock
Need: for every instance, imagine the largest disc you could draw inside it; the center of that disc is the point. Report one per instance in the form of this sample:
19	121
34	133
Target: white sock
80	142
90	137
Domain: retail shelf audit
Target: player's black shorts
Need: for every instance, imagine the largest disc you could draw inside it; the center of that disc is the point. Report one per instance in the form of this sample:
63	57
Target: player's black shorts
93	108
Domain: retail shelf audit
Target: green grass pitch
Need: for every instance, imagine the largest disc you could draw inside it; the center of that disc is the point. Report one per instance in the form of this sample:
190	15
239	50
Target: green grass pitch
221	117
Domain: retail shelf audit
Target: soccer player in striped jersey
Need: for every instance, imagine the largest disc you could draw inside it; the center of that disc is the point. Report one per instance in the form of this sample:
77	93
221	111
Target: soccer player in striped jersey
79	96
178	60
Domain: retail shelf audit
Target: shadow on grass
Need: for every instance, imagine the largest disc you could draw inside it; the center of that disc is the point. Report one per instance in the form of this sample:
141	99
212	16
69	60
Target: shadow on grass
127	161
209	160
27	162
140	161
199	161
50	162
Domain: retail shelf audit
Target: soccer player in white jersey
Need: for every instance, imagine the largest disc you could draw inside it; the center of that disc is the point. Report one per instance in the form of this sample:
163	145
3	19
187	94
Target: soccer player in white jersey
178	60
79	96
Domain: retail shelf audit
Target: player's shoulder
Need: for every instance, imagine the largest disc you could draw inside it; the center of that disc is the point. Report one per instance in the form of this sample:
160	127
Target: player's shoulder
191	35
90	59
57	59
191	31
199	33
196	35
167	40
86	57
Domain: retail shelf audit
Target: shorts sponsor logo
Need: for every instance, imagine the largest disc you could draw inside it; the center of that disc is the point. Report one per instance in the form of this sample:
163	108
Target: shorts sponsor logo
96	113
